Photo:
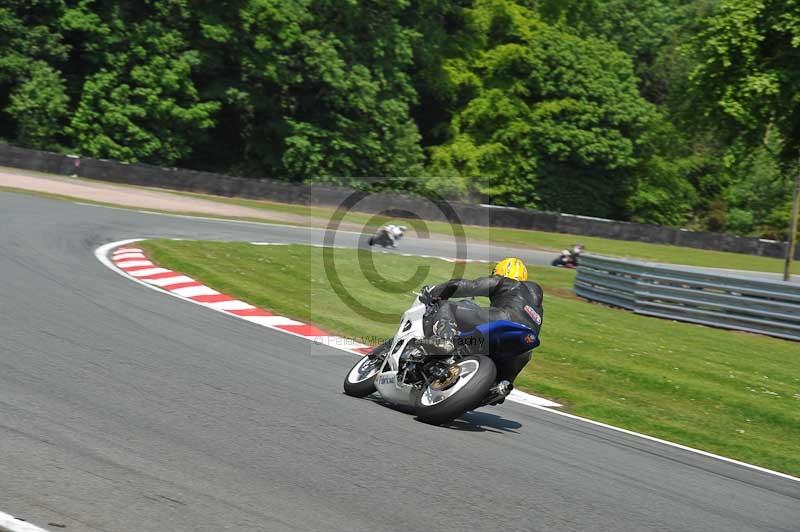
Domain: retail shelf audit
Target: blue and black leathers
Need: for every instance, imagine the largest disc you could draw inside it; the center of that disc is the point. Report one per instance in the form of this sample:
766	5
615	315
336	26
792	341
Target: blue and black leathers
511	300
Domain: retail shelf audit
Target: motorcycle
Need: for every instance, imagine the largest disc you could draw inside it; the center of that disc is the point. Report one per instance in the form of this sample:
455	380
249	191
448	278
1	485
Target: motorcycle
439	389
565	260
569	258
387	236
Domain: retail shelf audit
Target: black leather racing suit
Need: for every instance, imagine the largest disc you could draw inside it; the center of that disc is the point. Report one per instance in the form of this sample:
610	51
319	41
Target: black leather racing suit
512	300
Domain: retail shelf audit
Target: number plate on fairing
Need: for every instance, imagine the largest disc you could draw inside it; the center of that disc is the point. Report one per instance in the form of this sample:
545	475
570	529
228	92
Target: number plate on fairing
386	378
387	385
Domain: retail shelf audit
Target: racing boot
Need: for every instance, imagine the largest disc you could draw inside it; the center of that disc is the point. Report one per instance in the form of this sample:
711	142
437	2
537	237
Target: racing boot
441	342
498	393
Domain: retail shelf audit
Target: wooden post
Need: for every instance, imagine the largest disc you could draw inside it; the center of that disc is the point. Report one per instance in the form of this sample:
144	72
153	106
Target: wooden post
787	271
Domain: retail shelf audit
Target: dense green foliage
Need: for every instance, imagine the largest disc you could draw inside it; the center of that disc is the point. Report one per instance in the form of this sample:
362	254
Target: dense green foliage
678	112
747	82
552	120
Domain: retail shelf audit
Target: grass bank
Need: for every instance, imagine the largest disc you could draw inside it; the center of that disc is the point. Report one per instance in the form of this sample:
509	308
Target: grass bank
320	216
537	239
730	393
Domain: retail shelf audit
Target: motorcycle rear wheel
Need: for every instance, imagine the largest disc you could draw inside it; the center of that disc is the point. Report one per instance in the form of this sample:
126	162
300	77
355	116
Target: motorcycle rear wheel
476	374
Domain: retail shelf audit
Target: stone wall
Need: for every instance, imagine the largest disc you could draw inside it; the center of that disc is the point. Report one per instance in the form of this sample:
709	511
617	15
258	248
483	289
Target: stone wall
280	191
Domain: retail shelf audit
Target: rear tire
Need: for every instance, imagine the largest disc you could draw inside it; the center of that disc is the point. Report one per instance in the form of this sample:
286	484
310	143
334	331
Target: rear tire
360	380
466	396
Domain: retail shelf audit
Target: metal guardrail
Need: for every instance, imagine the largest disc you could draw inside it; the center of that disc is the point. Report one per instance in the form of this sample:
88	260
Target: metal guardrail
717	300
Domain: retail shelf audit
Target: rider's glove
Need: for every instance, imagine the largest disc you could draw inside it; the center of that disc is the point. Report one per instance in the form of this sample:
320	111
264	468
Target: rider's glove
426	294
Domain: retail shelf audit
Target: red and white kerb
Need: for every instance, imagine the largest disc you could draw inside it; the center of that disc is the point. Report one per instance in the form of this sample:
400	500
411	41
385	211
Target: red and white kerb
133	262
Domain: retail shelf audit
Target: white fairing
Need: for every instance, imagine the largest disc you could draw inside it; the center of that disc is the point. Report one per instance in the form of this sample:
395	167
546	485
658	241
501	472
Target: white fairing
386	381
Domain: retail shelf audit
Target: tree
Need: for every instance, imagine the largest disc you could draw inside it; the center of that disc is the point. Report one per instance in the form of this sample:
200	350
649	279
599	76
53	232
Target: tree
351	99
647	30
40	106
142	104
760	193
550	119
316	90
440	26
32	92
747	78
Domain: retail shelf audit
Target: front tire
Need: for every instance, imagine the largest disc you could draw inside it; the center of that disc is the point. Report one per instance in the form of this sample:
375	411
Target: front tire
476	375
360	380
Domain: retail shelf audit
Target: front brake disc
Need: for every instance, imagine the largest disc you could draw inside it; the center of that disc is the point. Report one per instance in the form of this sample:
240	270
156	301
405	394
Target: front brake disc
453	373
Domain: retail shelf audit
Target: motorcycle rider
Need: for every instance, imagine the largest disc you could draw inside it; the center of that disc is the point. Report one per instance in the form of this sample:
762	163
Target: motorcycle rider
569	258
512	298
388	234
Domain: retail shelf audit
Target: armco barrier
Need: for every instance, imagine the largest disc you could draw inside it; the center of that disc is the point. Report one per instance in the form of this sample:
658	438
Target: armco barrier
392	204
730	302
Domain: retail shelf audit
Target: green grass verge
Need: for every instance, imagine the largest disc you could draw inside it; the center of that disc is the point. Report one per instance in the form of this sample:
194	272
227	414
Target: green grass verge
726	392
538	239
320	216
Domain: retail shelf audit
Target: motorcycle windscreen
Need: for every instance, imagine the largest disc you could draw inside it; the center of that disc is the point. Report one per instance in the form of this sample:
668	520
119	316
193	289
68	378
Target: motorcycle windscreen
502	338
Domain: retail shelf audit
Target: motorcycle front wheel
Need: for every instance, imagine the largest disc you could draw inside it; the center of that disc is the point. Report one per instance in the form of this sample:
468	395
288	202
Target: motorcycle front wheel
462	390
360	381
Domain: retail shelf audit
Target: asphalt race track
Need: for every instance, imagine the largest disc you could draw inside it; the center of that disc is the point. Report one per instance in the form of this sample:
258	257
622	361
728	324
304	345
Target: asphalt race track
122	409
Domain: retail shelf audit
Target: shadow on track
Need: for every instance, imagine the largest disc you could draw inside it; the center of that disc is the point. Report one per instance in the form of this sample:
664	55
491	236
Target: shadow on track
484	422
473	421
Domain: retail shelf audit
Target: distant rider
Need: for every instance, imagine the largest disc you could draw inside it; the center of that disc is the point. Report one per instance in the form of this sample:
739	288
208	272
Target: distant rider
569	258
388	235
565	260
512	298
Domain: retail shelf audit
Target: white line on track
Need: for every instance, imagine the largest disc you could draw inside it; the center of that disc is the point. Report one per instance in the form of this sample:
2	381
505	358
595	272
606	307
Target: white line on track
208	218
272	224
224	220
669	443
10	523
385	251
102	255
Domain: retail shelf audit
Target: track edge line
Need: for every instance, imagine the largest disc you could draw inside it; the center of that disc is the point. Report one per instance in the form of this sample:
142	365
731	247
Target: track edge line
102	255
9	523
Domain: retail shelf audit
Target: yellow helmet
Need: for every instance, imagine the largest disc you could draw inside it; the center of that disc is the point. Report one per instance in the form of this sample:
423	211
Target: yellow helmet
512	268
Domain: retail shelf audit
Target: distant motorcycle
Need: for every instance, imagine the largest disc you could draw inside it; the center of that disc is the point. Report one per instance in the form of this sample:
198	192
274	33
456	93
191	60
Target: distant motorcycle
387	236
569	258
439	389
